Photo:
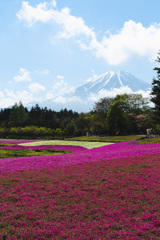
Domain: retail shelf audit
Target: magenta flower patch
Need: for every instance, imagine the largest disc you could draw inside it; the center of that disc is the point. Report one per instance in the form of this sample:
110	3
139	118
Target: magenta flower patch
16	141
80	155
110	192
51	147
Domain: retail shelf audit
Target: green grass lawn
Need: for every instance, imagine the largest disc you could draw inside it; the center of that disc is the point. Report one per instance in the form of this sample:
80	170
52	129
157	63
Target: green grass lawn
112	139
91	142
5	144
86	144
94	142
116	139
8	153
151	140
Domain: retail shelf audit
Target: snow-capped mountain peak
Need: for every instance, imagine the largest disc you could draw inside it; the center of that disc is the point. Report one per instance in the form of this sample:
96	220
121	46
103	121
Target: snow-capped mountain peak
110	80
104	85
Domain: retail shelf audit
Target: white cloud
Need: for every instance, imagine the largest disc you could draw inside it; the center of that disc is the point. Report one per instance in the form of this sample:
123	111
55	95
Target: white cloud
60	77
42	72
26	96
60	99
54	4
61	87
1	95
49	95
60	91
10	97
72	26
30	14
132	40
23	76
63	99
67	90
36	88
112	93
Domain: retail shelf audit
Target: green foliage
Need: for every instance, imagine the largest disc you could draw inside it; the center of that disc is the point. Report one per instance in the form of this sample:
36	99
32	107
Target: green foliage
117	117
125	114
70	129
152	140
155	93
136	102
18	115
99	115
112	139
58	132
8	153
29	132
102	106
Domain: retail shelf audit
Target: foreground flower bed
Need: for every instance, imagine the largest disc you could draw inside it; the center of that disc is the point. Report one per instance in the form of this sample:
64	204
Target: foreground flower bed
80	156
16	141
42	147
17	151
110	192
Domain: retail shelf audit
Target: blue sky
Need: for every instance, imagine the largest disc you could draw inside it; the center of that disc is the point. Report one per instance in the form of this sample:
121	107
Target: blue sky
51	47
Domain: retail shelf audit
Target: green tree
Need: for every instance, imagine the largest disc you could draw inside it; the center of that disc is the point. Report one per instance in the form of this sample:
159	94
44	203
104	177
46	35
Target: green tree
137	103
13	118
102	106
99	115
155	93
70	129
117	117
18	115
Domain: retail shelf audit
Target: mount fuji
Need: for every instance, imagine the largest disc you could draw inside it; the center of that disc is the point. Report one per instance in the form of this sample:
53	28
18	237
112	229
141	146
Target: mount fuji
110	81
106	85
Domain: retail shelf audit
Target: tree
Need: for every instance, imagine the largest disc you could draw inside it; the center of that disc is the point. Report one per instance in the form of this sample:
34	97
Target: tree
18	115
117	117
102	106
155	93
137	103
70	129
4	116
99	115
34	115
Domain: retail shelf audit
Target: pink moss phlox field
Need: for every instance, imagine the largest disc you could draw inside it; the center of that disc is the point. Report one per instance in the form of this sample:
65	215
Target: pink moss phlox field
111	192
50	147
114	151
113	199
16	141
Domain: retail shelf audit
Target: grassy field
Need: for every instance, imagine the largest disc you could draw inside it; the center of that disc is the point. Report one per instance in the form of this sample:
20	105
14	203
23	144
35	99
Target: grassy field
10	149
94	142
150	140
116	139
8	153
86	144
112	139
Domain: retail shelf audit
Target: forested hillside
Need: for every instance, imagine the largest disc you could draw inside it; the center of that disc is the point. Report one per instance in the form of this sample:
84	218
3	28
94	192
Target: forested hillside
122	115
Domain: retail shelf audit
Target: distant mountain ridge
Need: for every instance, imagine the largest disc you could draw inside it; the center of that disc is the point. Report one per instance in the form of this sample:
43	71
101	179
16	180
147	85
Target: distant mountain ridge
111	80
82	100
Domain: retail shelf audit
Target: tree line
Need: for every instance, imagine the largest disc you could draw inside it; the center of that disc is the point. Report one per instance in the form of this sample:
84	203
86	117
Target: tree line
125	114
36	122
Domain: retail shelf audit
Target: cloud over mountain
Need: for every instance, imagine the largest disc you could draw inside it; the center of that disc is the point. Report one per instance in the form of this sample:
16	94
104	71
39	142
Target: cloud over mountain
133	39
108	84
23	76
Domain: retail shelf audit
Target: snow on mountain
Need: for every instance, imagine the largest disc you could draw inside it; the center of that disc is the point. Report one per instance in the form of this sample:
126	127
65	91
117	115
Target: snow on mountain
106	85
110	81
